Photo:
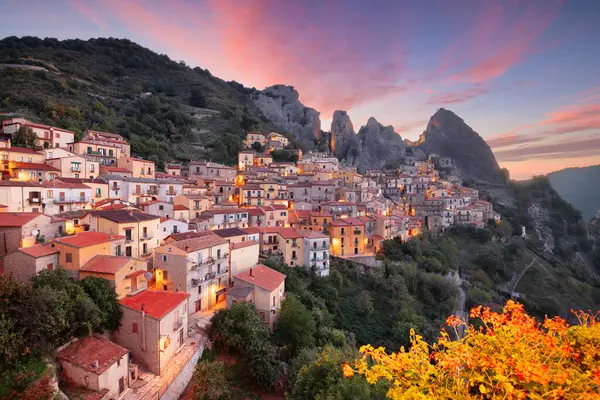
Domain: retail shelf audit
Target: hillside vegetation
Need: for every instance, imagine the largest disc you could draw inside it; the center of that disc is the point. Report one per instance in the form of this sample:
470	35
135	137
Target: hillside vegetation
167	110
579	186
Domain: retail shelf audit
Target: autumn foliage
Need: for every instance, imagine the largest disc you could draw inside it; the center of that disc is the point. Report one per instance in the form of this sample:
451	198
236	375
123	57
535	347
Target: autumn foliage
509	356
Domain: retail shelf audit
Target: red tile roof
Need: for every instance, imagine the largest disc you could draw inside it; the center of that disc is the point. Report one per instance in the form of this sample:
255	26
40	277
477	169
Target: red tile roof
19	183
16	149
240	245
155	303
39	251
103	264
136	273
289	233
262	276
93	353
180	207
63	185
198	243
255	212
90	238
17	219
35	166
114	169
308	234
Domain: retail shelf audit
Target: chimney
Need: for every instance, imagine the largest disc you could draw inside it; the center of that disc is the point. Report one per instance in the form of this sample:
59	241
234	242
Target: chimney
251	272
187	247
95	364
131	212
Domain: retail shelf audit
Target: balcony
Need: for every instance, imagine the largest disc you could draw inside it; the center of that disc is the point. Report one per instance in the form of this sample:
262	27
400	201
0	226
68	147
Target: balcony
147	236
153	192
223	271
173	193
35	200
147	253
208	277
177	323
76	169
357	231
209	261
116	188
294	245
128	239
97	195
76	199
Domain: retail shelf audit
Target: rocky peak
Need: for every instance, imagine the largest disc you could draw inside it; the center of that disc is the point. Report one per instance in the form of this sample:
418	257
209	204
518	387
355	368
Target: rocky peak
343	137
281	105
449	136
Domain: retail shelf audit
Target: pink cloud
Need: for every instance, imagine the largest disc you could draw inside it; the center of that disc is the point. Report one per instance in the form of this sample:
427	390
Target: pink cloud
89	11
456	96
501	38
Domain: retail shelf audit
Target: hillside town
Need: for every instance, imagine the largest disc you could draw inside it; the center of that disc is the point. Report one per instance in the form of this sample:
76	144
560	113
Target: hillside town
180	244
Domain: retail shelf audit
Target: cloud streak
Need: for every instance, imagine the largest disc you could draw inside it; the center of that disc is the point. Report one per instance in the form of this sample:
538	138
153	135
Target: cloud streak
578	148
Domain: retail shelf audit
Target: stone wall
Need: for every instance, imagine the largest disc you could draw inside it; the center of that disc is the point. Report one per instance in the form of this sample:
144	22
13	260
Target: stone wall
176	389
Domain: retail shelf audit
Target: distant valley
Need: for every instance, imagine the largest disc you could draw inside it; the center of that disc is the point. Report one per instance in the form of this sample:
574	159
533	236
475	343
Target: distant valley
580	187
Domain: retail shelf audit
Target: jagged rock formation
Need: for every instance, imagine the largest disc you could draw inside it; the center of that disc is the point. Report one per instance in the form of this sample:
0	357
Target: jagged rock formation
449	136
344	142
375	146
281	105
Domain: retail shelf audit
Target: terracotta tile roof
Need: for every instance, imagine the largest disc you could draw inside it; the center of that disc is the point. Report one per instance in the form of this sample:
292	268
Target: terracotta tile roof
262	276
19	183
92	353
124	216
17	219
104	264
198	243
106	168
39	251
80	180
35	166
90	238
241	245
16	149
354	221
136	273
164	219
197	196
255	212
303	214
269	229
289	233
155	303
114	207
316	214
188	235
280	206
228	232
180	207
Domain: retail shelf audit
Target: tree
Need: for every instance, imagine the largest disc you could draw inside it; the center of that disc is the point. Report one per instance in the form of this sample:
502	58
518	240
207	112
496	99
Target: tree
105	297
197	98
450	250
318	375
504	229
241	329
210	381
296	327
256	146
493	361
26	137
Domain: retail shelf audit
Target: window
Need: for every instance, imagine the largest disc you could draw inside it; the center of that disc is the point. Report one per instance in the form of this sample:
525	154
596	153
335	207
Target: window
342	231
218	253
98	192
273	301
134	327
89	149
128	251
92	168
32	175
110	153
145	248
164	258
29	159
166	275
50	267
118	250
128	234
50	193
161	207
69	257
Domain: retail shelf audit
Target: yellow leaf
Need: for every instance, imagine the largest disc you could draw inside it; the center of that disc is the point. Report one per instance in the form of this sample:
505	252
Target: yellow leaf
483	389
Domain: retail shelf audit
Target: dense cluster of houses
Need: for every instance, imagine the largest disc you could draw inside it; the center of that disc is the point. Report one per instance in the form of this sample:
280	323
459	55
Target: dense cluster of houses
187	241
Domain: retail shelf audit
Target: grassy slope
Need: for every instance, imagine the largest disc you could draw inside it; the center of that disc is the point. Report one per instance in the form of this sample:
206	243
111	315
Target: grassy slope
95	83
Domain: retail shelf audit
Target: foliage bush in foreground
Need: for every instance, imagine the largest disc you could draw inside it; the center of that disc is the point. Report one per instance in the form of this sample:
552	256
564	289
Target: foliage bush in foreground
510	356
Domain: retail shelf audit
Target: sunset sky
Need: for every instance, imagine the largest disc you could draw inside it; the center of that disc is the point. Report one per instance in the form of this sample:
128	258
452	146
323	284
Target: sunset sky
524	74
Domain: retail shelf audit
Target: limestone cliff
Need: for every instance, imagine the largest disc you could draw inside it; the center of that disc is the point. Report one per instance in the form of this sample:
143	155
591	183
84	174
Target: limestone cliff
281	105
449	136
344	142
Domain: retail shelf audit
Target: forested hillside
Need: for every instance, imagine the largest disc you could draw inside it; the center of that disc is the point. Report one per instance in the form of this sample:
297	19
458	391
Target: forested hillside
167	110
580	187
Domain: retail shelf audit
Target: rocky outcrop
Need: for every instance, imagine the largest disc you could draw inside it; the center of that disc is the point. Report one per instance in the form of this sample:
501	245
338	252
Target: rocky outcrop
374	147
380	146
281	105
447	135
344	142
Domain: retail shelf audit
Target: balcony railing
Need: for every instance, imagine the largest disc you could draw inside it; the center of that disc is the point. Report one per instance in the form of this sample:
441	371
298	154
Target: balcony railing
147	236
76	169
147	253
116	188
209	261
222	272
35	200
357	231
77	199
153	191
173	193
208	277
